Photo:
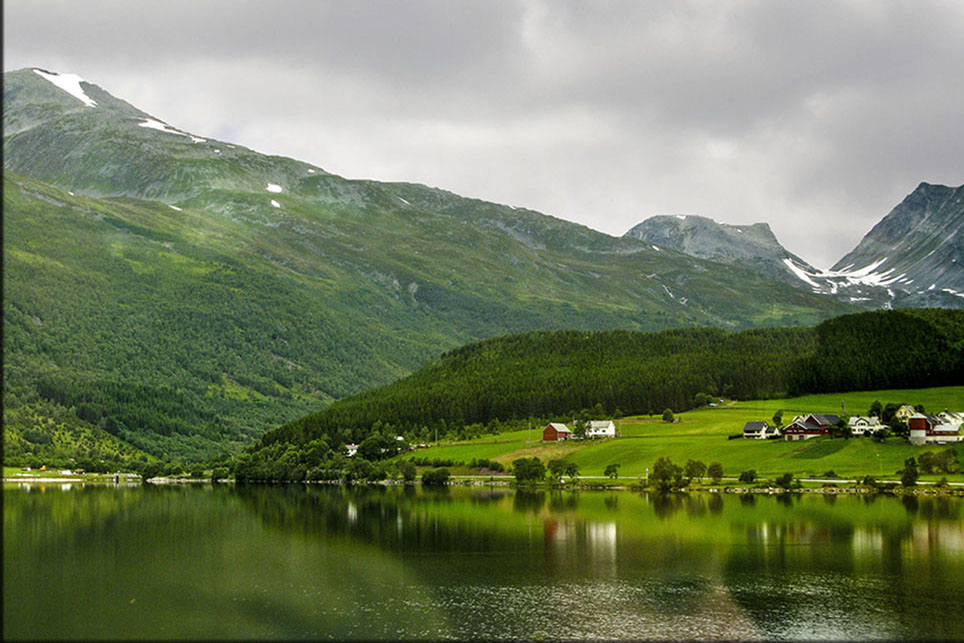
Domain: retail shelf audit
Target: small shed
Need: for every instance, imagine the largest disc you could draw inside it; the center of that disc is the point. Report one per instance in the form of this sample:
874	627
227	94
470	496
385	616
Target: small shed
555	431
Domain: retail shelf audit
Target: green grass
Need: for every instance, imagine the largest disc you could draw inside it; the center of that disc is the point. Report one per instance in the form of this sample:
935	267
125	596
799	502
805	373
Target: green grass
702	435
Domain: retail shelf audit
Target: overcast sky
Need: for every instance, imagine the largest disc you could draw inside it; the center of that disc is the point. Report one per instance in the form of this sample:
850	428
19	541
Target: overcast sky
816	117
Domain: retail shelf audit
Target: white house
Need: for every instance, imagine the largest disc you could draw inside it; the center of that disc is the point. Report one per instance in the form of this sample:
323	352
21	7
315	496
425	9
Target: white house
863	425
950	417
351	449
756	430
601	429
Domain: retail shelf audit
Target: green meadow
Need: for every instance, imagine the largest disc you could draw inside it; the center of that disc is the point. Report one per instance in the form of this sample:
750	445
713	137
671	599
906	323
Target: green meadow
703	435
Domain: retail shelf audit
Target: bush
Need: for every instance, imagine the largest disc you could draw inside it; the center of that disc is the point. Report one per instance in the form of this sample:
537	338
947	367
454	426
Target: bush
435	477
668	415
407	469
785	481
715	471
219	473
528	469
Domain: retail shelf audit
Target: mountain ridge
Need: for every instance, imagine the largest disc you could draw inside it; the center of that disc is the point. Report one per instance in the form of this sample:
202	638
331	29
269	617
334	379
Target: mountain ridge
174	295
259	288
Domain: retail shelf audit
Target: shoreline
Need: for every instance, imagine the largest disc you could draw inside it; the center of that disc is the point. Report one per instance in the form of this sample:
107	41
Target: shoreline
889	488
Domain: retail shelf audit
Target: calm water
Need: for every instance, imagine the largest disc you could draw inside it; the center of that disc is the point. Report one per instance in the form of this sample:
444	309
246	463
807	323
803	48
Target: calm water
319	562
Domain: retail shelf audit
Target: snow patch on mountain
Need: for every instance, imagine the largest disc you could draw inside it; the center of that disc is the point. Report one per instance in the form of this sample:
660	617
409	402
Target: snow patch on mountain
150	123
834	279
275	188
70	83
800	272
275	204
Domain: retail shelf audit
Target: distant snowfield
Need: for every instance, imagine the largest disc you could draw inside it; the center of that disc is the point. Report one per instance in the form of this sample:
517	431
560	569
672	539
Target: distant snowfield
150	123
866	276
274	187
70	83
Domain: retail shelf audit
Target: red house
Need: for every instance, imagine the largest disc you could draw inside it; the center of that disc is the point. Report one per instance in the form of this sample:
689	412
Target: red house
554	432
804	428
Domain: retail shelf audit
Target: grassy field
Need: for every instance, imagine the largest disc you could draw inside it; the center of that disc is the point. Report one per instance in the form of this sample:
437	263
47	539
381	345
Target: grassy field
702	435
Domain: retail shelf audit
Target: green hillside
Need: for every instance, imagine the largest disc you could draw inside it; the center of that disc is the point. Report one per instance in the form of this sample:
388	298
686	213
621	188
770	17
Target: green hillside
184	295
504	385
702	434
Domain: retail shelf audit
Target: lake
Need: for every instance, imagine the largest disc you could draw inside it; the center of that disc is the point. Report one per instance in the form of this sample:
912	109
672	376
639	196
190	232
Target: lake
289	562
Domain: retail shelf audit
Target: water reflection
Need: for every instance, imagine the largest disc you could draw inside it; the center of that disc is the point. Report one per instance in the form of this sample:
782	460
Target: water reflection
318	561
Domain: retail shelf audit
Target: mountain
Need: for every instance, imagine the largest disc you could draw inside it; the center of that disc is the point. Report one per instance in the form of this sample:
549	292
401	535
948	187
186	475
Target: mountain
915	252
754	246
914	257
181	295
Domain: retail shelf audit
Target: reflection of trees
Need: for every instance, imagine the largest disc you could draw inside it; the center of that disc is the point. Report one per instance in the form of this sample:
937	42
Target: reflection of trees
910	503
716	503
748	499
666	504
529	501
876	562
559	501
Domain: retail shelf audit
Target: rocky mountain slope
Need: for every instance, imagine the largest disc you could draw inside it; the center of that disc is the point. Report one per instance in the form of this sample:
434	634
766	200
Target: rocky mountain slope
913	258
754	246
183	294
916	252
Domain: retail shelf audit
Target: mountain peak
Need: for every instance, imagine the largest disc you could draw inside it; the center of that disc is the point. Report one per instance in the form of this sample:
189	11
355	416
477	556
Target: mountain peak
918	245
698	236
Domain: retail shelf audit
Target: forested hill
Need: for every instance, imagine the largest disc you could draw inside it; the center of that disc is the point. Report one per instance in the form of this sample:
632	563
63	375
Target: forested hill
548	374
908	348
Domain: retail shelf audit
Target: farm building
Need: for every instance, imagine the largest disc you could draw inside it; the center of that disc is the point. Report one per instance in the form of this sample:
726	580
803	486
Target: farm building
863	425
759	431
905	412
554	432
804	428
601	429
930	429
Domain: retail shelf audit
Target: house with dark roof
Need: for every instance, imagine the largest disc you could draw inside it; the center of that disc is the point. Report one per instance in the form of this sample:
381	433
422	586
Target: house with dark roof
801	429
756	430
823	420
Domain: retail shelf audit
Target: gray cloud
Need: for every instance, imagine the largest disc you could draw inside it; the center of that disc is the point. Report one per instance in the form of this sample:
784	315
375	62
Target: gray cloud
816	117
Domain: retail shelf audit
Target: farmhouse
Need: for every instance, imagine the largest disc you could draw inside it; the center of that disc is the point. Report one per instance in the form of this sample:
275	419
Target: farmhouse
804	428
601	429
555	432
863	425
930	429
800	429
759	431
905	412
950	417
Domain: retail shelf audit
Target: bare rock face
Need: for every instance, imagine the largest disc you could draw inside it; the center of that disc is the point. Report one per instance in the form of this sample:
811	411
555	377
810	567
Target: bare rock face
753	246
914	257
917	250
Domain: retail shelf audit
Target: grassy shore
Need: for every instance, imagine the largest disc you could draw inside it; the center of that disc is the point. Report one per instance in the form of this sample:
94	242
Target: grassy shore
702	435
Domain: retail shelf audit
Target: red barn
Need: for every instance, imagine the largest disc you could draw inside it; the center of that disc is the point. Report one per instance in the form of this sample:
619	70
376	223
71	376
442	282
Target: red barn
554	432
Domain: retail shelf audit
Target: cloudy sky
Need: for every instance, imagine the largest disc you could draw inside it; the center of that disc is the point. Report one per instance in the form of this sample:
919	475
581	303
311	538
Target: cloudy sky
816	117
